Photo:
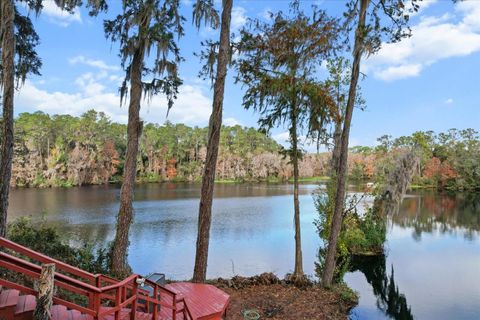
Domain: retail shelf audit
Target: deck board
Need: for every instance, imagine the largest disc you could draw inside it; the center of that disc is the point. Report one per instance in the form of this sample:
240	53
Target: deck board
9	298
204	301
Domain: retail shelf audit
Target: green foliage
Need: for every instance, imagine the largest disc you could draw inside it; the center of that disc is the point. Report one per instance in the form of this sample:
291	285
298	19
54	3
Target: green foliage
361	234
277	65
39	180
146	26
448	160
204	11
357	173
325	204
387	21
366	234
339	78
47	240
61	143
50	150
346	294
26	40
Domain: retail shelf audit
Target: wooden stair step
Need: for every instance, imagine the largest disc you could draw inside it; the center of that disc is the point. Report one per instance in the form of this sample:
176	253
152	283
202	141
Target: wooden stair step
74	313
26	303
77	315
125	314
9	298
59	312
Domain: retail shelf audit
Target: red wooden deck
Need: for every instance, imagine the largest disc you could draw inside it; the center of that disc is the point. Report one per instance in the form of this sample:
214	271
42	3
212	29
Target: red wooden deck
205	301
106	298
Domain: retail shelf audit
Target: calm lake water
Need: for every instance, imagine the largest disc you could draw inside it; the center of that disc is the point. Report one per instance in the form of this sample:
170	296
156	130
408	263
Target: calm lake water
431	269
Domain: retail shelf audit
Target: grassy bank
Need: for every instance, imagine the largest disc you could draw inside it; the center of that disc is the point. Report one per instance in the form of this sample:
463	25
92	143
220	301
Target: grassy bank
275	180
311	179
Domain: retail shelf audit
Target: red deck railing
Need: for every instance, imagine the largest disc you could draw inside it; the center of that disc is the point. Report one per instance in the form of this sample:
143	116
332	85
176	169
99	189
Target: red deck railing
104	295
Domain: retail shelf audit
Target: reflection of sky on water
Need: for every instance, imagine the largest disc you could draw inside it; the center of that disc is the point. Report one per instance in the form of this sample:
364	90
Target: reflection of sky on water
436	256
432	241
252	227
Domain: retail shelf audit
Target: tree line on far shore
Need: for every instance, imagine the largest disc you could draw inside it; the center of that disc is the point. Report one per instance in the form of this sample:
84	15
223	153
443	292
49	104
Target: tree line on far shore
63	151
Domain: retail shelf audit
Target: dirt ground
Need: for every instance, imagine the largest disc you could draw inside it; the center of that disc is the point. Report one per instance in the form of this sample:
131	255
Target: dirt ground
276	299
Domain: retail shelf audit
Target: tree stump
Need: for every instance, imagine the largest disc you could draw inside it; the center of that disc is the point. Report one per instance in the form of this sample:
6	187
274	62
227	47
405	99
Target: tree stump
45	292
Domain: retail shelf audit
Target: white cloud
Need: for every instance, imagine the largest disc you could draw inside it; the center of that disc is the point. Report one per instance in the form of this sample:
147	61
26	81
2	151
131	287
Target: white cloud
434	38
58	16
96	63
282	137
89	85
192	106
400	72
266	14
448	101
231	122
471	10
116	79
98	89
238	17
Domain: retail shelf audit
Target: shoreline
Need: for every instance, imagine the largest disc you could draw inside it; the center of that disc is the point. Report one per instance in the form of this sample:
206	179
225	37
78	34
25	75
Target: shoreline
278	299
66	185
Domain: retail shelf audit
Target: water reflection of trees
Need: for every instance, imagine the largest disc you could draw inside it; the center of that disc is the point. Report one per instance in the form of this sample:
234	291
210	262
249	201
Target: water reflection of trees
389	299
442	212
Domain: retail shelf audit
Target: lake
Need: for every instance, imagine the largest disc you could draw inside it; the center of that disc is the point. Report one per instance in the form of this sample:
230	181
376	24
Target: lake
431	269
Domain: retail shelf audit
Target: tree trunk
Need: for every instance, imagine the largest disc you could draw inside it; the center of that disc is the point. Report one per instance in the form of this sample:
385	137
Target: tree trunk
337	135
337	141
342	170
8	54
298	275
119	262
298	271
45	292
208	179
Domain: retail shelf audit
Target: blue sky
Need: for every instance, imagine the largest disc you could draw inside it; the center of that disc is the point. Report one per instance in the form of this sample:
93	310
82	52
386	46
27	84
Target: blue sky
427	82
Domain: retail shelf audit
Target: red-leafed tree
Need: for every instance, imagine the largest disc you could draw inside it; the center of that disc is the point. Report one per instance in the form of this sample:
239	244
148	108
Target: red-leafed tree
438	172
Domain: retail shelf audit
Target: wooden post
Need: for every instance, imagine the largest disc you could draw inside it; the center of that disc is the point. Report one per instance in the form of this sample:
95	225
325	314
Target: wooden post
174	310
155	296
134	302
45	292
118	302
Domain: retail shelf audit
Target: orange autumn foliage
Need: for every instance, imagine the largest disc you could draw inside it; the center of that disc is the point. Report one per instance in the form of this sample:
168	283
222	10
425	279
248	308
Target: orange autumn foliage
439	171
171	170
